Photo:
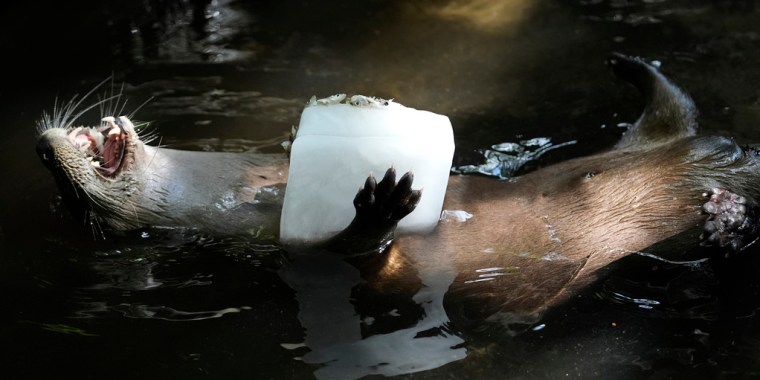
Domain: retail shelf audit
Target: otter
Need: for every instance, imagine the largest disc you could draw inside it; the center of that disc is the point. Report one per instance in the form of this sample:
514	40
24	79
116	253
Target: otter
113	181
532	241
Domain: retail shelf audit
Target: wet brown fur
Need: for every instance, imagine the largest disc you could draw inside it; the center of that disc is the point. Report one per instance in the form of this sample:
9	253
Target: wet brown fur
552	230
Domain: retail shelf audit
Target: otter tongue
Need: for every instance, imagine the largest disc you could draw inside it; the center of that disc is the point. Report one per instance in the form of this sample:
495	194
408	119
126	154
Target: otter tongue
112	150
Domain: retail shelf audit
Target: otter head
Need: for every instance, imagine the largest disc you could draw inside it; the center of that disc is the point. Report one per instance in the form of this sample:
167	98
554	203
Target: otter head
93	166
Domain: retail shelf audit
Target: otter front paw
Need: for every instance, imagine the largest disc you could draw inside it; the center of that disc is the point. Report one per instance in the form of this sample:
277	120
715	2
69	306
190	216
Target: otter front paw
379	208
731	222
387	202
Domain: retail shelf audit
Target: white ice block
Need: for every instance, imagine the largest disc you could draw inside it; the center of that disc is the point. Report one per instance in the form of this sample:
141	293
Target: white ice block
339	143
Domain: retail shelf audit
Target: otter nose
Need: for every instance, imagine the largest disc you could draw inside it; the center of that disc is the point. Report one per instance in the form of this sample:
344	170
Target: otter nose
45	151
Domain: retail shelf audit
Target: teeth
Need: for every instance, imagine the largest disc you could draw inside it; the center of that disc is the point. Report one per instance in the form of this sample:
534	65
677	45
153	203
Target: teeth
114	131
110	123
124	121
98	137
95	164
127	124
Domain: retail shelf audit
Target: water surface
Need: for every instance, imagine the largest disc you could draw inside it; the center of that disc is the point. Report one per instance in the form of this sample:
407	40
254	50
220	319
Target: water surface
232	75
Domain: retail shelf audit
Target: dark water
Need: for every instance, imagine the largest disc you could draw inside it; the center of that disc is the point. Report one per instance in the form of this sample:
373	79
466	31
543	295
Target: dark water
228	75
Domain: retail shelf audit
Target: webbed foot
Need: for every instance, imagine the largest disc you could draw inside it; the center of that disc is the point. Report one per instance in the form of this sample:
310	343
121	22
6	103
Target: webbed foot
379	208
731	223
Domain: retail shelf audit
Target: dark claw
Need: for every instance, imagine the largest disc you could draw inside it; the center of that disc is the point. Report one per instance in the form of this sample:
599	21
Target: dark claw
408	206
366	196
399	197
385	187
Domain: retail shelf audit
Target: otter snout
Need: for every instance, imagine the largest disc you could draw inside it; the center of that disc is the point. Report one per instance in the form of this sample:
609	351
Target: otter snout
45	152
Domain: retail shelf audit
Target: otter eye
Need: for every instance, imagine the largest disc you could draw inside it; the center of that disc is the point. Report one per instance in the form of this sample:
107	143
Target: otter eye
753	151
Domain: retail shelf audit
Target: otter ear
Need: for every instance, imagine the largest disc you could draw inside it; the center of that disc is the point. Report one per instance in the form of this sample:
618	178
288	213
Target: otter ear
669	112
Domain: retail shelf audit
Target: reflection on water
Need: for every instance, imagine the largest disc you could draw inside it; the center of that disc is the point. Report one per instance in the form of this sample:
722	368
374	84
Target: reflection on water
226	75
169	314
666	289
186	31
333	328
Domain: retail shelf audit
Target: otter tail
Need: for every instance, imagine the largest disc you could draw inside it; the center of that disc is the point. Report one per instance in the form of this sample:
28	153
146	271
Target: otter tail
669	112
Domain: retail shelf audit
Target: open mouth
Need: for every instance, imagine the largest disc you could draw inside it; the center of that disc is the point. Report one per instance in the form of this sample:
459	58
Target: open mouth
104	147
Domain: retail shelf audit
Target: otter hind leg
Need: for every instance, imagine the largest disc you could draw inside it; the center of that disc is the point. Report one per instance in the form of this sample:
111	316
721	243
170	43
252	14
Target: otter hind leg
669	112
732	221
379	207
